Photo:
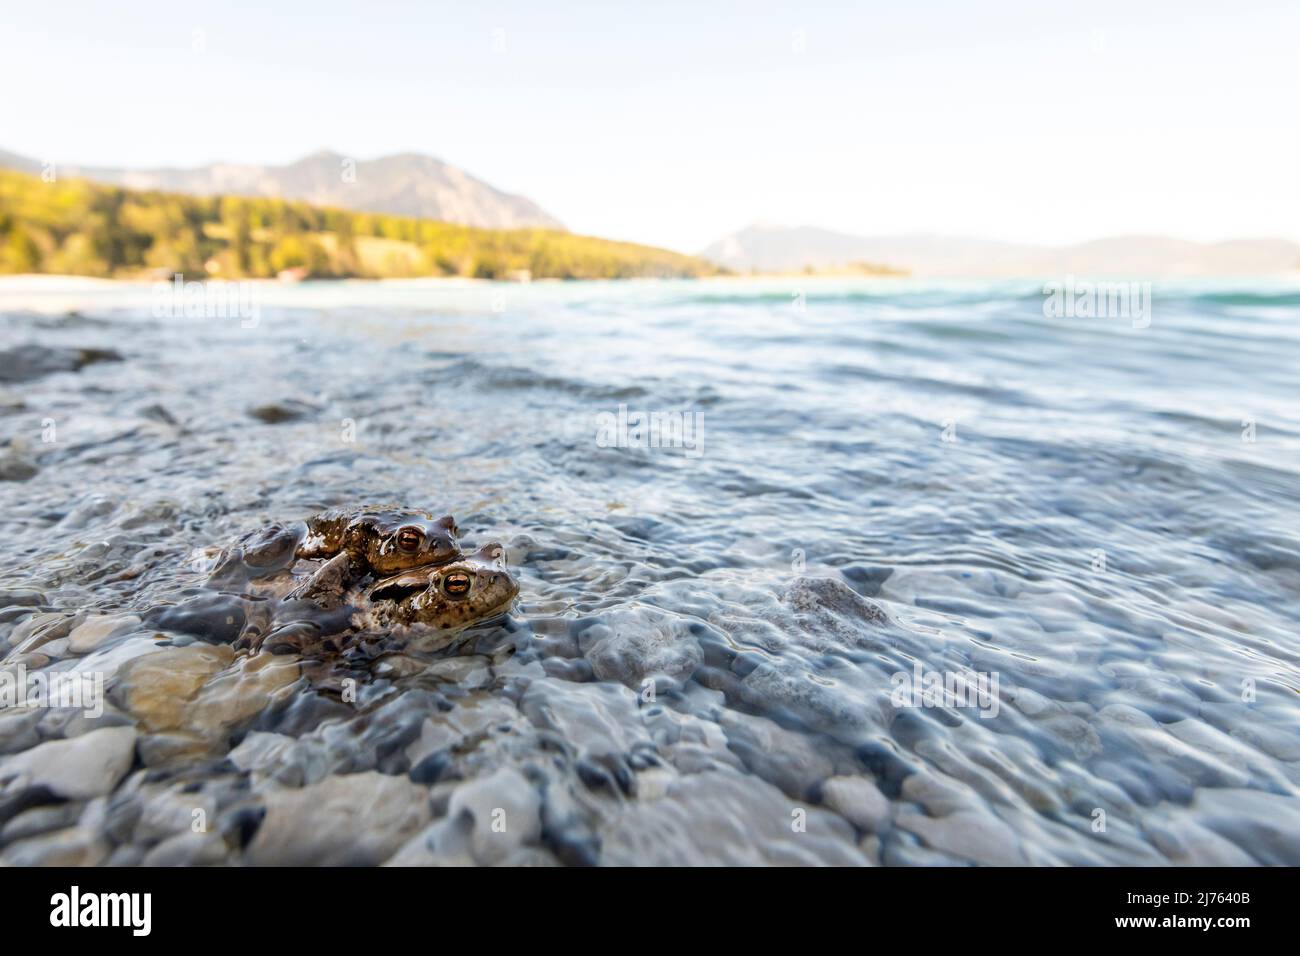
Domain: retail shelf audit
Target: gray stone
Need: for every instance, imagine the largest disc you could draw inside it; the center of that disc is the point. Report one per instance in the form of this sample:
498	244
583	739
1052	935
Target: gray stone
74	846
93	632
969	835
727	818
87	766
188	849
789	760
489	821
355	820
858	800
632	646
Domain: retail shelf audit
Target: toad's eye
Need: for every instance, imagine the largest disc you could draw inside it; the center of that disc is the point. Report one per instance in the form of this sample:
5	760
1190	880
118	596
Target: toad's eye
456	584
408	539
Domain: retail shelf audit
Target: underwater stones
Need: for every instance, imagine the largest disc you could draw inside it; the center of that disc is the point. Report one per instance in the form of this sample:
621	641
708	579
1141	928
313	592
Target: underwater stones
969	835
358	819
94	631
1185	842
203	689
166	813
74	846
261	751
40	820
1211	759
110	659
160	686
858	800
630	646
830	600
470	719
789	760
830	700
218	618
939	795
41	628
691	743
15	465
21	597
27	362
724	817
488	821
188	849
288	410
19	729
1268	823
594	719
87	766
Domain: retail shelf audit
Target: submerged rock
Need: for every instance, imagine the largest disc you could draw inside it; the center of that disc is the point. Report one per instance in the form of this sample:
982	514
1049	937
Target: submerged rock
489	821
27	362
87	766
969	835
858	800
356	820
631	646
726	818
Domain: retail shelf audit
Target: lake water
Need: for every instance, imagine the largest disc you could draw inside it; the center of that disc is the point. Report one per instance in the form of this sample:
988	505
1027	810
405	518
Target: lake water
725	647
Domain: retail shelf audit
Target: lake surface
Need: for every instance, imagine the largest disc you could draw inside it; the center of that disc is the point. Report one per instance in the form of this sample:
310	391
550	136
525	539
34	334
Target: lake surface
725	647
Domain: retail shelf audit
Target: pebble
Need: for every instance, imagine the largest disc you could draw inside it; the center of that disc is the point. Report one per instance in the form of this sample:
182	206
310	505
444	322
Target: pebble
95	631
85	766
969	835
203	689
789	760
1267	823
594	719
632	646
726	818
489	820
188	849
858	800
360	819
74	846
40	820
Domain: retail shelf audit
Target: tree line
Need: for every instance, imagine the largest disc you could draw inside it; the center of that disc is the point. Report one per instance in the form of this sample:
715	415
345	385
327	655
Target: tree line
76	227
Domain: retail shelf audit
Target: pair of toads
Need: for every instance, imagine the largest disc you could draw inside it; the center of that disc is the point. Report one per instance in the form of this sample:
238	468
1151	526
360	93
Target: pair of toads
375	568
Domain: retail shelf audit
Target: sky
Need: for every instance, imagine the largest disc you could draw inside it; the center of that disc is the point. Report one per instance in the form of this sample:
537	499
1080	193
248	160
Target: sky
677	123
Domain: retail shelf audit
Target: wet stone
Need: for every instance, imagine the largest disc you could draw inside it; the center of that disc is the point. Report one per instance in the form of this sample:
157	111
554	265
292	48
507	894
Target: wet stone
354	820
85	766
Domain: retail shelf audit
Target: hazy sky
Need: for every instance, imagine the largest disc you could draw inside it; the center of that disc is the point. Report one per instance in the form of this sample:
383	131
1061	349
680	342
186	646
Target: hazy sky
676	123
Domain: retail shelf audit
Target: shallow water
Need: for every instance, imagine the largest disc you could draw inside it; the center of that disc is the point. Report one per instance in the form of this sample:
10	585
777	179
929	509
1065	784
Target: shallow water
1095	523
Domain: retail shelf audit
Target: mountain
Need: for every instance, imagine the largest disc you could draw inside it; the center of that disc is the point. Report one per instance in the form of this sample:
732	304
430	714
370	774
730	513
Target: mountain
766	248
406	184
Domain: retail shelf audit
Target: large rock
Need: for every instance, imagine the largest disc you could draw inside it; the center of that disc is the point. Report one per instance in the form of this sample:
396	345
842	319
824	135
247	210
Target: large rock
95	631
356	820
1265	825
489	821
632	646
858	800
31	361
595	719
203	690
87	766
968	835
726	818
789	760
